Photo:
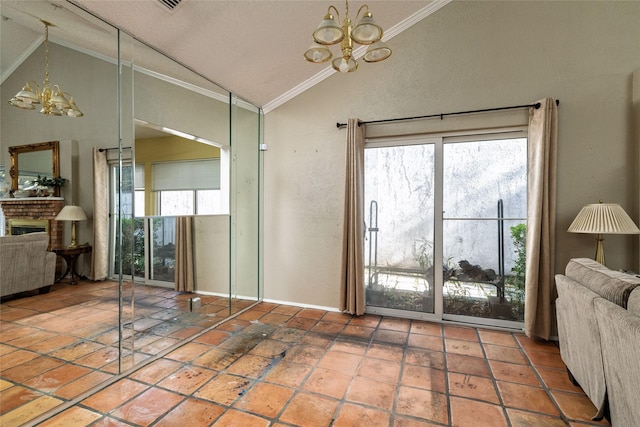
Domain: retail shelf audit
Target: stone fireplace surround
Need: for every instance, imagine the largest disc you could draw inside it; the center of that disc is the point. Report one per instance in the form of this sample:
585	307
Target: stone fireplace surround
43	208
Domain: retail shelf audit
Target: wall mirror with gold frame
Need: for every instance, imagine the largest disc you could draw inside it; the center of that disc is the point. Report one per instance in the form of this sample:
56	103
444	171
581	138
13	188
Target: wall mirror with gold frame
32	160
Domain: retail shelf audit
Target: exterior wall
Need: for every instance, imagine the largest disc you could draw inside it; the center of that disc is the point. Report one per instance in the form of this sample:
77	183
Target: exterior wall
467	55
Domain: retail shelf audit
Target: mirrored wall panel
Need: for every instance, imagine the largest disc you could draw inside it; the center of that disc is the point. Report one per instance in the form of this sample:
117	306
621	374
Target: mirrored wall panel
166	168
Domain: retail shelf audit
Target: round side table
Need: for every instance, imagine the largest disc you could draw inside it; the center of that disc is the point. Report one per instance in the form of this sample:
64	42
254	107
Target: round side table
70	256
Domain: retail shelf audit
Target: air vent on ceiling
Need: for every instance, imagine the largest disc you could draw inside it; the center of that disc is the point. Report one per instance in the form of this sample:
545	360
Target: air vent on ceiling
170	4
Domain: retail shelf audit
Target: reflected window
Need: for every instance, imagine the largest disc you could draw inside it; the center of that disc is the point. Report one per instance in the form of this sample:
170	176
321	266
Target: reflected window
139	191
173	203
187	187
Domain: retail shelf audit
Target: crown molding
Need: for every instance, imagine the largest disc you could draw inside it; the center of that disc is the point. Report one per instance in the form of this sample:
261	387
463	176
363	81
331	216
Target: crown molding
25	54
357	53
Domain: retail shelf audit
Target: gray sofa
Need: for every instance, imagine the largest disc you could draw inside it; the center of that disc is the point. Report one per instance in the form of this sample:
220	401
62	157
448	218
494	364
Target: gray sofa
25	263
598	314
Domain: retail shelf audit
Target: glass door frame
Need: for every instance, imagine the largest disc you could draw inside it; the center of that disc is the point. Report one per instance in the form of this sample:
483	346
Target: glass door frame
437	314
439	142
115	168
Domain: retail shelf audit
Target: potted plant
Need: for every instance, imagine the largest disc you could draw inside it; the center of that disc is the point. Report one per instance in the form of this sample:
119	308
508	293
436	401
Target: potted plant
52	185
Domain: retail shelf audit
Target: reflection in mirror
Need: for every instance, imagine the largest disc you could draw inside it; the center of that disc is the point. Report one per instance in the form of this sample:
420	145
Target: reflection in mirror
140	308
176	174
83	52
30	161
178	197
245	201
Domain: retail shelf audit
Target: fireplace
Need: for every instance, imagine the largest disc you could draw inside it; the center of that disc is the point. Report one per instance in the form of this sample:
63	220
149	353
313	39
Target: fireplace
33	214
25	226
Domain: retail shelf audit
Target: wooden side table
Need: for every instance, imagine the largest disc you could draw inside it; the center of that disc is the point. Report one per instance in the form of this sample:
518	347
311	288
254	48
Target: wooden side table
70	256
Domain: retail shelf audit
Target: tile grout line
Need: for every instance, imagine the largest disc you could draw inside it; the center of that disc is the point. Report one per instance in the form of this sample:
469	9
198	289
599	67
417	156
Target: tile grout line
494	380
543	385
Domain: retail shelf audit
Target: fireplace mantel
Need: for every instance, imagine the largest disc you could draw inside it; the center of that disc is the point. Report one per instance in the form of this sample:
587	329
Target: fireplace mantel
29	199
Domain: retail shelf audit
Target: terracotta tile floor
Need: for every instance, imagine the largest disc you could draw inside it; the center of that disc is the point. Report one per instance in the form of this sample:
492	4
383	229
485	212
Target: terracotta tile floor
56	346
277	365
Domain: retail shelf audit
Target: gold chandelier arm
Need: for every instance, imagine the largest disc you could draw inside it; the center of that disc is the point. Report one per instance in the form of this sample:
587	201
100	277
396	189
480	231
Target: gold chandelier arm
364	6
335	10
37	86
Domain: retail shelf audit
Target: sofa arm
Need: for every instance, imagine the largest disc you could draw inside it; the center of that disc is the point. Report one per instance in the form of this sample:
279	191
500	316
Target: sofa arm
620	332
49	268
579	336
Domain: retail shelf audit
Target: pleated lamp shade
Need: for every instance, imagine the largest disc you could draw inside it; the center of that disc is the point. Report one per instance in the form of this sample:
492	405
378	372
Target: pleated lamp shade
72	213
603	218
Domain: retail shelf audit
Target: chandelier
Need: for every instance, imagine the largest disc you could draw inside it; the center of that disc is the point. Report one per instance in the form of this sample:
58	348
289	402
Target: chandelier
366	32
52	98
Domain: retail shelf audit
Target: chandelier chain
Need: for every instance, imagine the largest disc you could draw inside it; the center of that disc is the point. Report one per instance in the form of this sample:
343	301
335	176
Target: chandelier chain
46	55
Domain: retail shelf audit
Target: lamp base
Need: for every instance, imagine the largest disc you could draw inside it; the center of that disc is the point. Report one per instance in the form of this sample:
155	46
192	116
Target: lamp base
600	250
73	235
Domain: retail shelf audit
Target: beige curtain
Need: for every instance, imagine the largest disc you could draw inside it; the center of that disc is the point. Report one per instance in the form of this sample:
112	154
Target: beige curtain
184	254
541	214
352	297
100	255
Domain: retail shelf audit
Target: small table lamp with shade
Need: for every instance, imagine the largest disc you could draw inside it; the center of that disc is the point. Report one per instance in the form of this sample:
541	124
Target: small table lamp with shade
72	213
603	218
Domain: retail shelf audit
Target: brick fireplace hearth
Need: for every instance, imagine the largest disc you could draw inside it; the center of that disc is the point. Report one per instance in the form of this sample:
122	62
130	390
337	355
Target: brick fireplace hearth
43	208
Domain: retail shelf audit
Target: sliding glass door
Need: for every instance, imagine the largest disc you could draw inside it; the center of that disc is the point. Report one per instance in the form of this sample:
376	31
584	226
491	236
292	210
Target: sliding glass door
399	217
147	243
445	226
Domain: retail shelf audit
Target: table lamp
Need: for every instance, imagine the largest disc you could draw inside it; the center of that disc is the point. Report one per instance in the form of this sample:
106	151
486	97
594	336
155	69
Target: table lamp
72	213
603	218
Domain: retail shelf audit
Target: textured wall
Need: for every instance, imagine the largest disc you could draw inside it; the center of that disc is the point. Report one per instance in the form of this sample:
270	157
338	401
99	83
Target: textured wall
467	55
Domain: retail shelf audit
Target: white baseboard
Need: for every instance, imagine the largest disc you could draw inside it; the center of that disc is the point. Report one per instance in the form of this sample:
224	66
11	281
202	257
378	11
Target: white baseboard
296	304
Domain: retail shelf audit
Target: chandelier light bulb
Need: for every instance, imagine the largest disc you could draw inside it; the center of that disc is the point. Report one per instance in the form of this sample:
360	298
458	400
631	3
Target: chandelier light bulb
317	53
367	33
326	37
328	32
344	66
25	104
377	52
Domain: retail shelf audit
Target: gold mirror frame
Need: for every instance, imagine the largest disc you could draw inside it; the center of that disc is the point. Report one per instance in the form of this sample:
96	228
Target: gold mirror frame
16	150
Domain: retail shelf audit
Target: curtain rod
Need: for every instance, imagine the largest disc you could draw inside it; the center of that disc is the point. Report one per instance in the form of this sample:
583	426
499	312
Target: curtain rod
113	148
442	115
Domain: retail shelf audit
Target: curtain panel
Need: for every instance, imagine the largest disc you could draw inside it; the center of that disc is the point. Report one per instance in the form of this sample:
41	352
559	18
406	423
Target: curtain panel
100	255
541	215
184	254
352	291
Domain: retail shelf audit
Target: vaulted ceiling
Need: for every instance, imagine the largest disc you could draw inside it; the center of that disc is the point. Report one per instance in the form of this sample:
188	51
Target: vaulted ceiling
252	48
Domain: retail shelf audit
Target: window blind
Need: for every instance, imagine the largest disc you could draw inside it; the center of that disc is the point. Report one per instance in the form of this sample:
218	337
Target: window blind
186	175
139	176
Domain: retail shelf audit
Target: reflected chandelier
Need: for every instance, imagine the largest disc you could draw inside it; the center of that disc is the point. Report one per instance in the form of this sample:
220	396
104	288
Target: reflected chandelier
52	98
366	32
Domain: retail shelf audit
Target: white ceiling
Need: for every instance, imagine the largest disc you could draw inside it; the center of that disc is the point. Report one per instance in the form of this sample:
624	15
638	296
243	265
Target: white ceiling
251	48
